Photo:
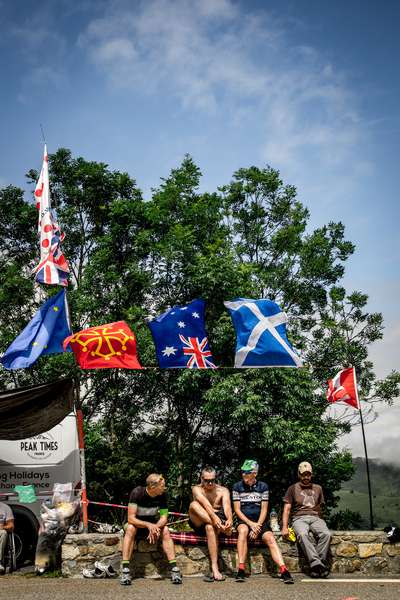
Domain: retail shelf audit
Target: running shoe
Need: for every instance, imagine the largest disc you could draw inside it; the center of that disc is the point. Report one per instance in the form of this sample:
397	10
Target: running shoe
125	577
107	569
286	577
240	576
93	573
176	575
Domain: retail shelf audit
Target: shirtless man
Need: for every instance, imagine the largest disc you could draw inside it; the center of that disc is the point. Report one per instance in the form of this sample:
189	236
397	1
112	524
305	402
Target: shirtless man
211	512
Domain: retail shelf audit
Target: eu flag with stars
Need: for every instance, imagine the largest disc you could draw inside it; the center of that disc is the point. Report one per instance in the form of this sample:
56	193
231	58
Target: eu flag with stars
44	334
261	339
180	338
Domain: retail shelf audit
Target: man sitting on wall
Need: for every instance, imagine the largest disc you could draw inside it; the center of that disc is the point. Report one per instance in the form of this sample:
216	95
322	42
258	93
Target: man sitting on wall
305	500
250	503
210	513
6	527
147	519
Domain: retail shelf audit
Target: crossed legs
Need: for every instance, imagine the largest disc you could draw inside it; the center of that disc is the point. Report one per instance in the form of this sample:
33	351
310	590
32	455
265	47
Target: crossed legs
199	517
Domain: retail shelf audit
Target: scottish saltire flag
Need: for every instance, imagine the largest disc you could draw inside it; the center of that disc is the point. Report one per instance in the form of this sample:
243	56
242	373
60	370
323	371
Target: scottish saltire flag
180	338
44	334
261	334
53	268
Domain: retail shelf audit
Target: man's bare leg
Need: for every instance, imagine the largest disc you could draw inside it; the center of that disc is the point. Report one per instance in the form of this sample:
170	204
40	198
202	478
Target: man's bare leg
212	542
198	515
168	544
128	543
243	531
276	555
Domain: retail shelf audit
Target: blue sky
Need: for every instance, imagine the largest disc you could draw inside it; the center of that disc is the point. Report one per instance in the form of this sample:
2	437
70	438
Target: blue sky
310	87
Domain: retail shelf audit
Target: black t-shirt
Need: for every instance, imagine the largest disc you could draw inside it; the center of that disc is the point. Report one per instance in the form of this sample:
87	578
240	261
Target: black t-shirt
148	508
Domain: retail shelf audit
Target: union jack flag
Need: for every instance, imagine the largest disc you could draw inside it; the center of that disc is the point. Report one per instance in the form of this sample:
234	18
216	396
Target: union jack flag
53	268
197	353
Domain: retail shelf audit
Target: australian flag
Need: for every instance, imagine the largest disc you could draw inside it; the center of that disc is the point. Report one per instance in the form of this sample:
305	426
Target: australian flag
180	338
44	334
261	339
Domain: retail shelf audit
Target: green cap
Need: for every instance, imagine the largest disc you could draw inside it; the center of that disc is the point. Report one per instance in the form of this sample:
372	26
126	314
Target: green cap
249	466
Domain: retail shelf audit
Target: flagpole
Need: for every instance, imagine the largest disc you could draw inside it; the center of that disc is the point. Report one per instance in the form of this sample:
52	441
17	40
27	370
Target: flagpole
371	515
81	442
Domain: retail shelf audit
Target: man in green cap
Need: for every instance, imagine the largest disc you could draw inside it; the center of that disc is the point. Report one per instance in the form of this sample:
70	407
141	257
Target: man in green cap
250	503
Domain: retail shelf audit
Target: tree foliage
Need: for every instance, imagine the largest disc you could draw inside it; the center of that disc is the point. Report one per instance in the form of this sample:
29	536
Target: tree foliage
131	258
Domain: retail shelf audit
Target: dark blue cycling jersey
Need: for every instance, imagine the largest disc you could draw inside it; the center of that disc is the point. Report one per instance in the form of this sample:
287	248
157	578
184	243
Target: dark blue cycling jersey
250	497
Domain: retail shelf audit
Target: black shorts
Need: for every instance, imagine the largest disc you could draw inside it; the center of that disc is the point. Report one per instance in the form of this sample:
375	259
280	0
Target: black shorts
202	529
264	528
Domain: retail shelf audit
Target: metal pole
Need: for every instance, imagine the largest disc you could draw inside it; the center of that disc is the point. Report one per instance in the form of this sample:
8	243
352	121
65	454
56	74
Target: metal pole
371	516
81	443
81	439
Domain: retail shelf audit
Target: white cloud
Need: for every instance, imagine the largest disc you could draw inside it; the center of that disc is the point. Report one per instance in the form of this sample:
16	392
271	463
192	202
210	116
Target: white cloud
217	57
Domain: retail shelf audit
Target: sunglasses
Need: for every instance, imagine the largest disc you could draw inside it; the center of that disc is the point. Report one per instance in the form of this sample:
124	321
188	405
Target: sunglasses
208	481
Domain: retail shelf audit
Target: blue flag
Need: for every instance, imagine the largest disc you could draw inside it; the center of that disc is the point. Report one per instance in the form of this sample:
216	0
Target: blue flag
180	338
44	334
261	334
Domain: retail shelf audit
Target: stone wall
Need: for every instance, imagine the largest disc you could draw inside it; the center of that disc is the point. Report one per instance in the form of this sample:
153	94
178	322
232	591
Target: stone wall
351	551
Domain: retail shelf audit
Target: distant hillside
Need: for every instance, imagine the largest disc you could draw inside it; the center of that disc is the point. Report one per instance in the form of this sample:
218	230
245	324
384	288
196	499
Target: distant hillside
385	485
385	478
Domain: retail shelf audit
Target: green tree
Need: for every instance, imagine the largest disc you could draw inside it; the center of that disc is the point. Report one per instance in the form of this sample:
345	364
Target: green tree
131	258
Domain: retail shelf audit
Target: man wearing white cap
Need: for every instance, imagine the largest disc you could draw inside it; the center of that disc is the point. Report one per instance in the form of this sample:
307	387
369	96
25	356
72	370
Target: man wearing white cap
305	499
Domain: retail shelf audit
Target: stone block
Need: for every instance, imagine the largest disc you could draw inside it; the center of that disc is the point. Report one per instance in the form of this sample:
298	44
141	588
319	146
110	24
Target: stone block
392	549
228	560
292	564
191	567
179	549
346	549
367	550
144	546
112	541
197	553
100	550
69	552
257	564
375	565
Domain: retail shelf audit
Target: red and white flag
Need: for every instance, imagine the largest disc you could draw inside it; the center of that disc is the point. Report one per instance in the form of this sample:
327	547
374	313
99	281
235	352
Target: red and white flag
53	267
343	388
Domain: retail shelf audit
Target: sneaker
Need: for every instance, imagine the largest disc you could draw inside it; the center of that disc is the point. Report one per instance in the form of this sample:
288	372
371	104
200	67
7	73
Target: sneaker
286	577
125	577
324	571
2	569
316	571
107	569
176	576
93	573
240	576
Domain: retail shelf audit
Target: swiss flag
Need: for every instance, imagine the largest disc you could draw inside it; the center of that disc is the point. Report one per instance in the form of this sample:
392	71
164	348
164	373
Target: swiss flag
110	346
343	388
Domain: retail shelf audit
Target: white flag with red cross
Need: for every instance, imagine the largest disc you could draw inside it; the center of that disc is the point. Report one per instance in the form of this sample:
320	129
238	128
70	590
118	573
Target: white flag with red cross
343	388
53	268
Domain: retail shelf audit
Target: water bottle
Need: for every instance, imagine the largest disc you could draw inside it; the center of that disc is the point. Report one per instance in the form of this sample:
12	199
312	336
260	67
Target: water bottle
273	521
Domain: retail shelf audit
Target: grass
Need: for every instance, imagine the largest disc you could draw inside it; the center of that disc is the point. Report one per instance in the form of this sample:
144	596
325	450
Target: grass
386	509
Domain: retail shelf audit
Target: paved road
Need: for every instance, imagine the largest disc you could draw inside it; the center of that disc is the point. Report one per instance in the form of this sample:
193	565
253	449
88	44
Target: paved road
256	588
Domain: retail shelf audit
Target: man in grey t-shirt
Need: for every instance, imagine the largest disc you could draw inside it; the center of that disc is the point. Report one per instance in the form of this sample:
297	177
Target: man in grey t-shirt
304	500
6	526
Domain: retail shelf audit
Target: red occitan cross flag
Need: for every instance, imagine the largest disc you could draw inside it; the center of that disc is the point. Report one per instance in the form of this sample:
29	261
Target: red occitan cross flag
343	388
110	346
